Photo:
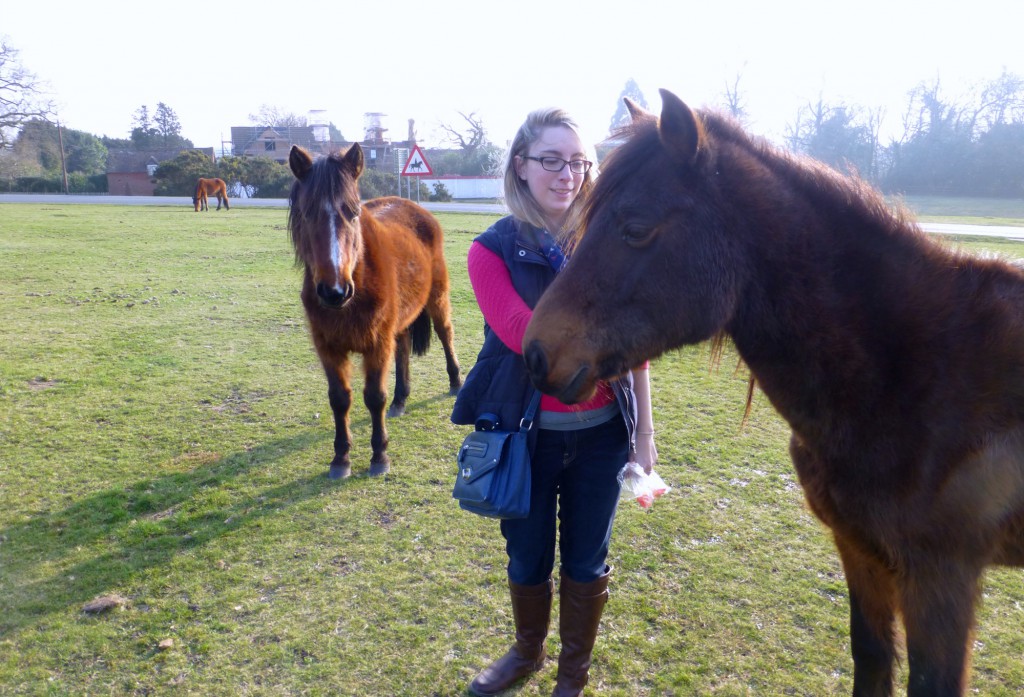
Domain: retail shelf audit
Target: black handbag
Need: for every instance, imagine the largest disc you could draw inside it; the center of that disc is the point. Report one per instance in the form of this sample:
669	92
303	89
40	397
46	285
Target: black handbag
494	468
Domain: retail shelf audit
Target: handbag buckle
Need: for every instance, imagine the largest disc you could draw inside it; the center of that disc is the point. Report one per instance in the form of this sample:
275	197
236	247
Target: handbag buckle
467	472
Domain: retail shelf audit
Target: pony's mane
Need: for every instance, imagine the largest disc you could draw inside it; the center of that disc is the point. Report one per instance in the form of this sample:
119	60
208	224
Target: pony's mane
844	192
328	184
819	182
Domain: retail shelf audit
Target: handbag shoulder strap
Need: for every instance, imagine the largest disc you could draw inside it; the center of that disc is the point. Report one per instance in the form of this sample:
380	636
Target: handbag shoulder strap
527	421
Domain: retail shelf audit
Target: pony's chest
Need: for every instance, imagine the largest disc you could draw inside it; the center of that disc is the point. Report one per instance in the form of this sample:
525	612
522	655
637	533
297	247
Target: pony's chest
852	492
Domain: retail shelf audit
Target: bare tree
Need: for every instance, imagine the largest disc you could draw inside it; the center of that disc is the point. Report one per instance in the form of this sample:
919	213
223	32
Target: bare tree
475	155
469	141
1002	101
929	113
276	117
21	95
735	104
840	135
809	120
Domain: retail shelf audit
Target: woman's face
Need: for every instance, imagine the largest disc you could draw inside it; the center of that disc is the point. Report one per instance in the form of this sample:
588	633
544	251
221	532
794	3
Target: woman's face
553	191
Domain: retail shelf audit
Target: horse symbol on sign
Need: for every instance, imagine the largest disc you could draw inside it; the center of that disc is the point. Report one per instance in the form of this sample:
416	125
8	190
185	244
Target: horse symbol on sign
416	164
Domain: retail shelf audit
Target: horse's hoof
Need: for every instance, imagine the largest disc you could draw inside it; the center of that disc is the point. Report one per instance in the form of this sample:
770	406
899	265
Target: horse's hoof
341	471
396	411
454	391
379	468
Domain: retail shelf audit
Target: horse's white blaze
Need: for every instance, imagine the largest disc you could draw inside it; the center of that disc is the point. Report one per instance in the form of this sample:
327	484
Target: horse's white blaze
332	222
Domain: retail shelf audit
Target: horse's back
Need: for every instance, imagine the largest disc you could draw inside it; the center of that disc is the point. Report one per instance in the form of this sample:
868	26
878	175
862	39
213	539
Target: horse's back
402	214
212	186
398	228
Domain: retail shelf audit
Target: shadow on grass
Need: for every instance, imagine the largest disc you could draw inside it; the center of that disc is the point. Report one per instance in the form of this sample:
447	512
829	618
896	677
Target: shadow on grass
147	525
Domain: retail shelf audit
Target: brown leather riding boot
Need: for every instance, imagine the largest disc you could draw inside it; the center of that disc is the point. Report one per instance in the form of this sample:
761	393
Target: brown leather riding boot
579	617
531	609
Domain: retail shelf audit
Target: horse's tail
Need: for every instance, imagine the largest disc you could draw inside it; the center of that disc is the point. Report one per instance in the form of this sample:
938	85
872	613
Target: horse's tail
420	330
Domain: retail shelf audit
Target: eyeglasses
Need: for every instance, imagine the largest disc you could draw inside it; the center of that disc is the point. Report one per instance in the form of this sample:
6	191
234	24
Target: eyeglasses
557	164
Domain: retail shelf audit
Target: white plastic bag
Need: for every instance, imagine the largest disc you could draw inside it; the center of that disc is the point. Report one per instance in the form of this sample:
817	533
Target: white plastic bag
645	488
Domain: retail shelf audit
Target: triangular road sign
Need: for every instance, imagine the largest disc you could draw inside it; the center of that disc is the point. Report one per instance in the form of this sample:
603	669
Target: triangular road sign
417	165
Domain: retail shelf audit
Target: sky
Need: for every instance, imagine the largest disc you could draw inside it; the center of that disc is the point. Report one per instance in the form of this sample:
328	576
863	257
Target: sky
432	59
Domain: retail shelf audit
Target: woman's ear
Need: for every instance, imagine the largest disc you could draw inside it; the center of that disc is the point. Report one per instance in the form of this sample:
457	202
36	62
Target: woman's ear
518	162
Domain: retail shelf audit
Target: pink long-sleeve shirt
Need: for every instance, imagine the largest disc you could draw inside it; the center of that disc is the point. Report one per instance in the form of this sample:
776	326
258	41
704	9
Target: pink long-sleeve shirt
507	315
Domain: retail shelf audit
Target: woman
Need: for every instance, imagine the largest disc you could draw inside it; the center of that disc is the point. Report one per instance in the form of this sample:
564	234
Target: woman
578	451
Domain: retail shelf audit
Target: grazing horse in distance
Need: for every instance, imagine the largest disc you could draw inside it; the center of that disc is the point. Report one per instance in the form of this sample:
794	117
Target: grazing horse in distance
210	187
375	279
897	362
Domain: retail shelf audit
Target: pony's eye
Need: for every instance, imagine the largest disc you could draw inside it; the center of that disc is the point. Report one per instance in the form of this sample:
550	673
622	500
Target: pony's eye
348	213
637	235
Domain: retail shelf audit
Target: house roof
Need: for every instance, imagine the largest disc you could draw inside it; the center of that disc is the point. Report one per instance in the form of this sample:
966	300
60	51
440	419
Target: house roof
119	161
243	137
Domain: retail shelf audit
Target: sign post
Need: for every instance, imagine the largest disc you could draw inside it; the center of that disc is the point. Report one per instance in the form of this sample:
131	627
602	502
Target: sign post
401	155
416	166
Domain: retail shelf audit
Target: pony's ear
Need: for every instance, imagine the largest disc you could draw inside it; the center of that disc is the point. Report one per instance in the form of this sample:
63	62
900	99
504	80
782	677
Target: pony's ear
681	131
300	162
636	111
354	159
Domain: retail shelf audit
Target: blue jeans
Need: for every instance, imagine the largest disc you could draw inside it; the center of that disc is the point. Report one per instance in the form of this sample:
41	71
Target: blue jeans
575	480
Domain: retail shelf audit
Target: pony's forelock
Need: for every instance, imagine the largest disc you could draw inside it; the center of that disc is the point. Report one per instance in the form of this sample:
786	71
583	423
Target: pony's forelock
639	142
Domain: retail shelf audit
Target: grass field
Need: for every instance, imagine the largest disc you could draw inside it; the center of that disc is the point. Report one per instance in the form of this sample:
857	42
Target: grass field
968	211
164	439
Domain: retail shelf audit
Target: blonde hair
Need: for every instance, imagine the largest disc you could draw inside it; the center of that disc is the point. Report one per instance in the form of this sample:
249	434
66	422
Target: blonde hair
518	199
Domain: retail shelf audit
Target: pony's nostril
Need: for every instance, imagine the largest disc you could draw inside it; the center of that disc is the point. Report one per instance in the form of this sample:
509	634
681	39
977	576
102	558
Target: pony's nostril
332	295
536	362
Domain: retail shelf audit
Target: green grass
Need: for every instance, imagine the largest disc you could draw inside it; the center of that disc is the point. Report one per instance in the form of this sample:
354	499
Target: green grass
164	436
967	211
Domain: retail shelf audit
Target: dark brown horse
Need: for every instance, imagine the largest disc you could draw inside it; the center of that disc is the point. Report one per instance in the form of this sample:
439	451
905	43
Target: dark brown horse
898	364
375	279
210	187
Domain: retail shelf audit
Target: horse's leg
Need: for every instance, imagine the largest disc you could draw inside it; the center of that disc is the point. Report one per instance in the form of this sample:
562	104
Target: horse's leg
441	315
872	614
938	595
218	200
340	396
375	396
403	348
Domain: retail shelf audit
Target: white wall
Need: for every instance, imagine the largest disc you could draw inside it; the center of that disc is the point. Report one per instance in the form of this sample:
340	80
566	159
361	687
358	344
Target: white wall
468	187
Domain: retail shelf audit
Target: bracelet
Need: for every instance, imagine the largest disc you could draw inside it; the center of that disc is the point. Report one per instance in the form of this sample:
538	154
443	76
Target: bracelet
645	433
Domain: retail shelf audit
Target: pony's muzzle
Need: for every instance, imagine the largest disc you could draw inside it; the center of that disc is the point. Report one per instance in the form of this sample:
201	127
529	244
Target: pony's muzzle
568	390
334	295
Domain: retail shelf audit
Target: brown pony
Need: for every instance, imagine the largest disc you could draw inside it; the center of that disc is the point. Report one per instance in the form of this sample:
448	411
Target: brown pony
375	278
898	364
210	187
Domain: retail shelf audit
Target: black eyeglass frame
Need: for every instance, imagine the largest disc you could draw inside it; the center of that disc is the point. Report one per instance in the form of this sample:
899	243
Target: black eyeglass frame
586	164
